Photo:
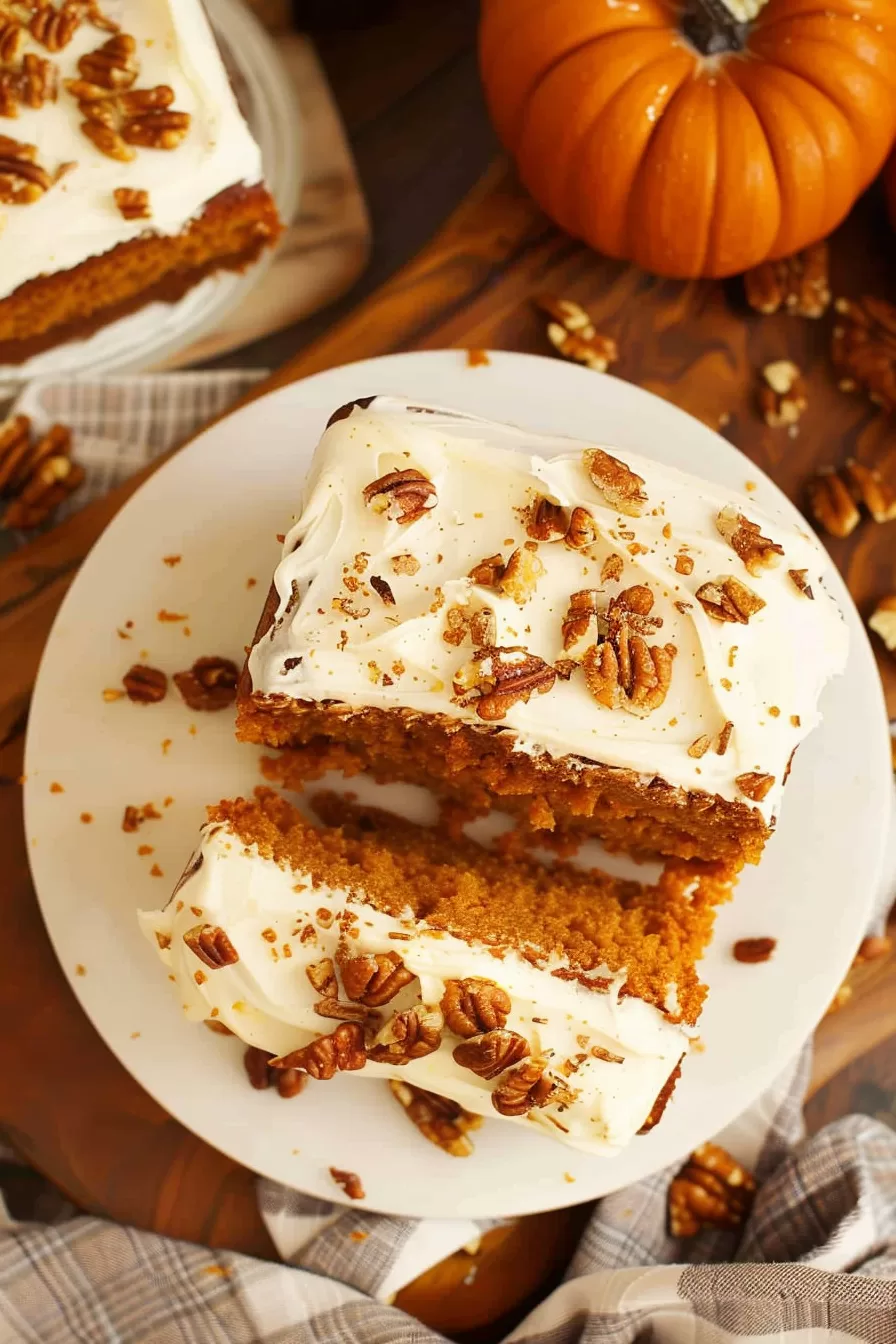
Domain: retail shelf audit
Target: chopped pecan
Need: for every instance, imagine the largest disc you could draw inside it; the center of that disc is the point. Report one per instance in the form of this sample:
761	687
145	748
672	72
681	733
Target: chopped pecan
724	738
132	202
801	583
211	945
632	608
403	496
145	685
341	1051
113	65
160	128
54	28
746	540
798	283
375	979
782	395
621	487
12	39
442	1122
582	530
868	486
22	179
700	747
754	784
683	564
611	569
322	975
883	621
488	572
580	627
573	335
473	1005
521	575
349	1181
383	590
729	600
409	1035
864	348
496	678
546	520
523	1088
711	1190
831	503
492	1053
405	564
209	685
754	950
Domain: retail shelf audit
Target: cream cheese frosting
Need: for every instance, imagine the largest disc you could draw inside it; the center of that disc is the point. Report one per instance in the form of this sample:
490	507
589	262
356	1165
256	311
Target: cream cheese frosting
340	636
280	924
78	218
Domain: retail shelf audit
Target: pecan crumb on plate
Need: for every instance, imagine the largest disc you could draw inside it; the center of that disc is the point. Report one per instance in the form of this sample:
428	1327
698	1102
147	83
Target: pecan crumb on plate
145	685
754	950
350	1182
209	685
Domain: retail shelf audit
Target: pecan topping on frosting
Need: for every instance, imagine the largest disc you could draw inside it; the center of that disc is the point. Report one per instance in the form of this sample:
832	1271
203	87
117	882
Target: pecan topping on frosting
12	39
582	530
159	128
113	65
403	496
621	487
341	1051
801	583
523	1088
374	979
580	625
409	1035
521	575
624	671
495	679
211	945
54	28
546	520
22	180
461	622
754	784
611	569
729	600
472	1006
383	590
488	572
132	202
746	539
492	1053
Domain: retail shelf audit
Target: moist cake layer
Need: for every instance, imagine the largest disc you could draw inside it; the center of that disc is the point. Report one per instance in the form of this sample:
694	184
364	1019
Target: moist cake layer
588	605
580	977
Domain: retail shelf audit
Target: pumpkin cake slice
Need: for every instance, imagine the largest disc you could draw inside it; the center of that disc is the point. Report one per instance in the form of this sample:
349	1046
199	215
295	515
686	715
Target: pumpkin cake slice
547	996
590	640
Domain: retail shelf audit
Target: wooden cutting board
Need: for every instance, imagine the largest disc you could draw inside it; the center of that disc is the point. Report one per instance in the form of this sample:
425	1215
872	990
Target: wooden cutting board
70	1108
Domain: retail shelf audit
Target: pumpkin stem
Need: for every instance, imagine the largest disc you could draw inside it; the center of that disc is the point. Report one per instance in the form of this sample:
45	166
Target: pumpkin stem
716	26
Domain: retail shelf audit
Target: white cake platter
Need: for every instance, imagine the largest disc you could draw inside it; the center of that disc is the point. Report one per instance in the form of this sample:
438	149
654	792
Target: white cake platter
154	334
219	505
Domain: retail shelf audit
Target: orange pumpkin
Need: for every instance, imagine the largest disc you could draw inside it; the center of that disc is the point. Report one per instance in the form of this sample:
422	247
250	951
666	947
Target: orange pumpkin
684	140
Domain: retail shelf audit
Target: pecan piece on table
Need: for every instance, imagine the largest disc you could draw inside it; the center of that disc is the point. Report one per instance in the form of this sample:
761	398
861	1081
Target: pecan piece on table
782	394
375	979
209	685
863	348
751	951
341	1051
496	678
145	685
746	540
798	283
622	488
51	483
490	1054
883	621
574	336
727	599
403	496
474	1005
409	1035
711	1190
868	487
831	503
443	1122
211	945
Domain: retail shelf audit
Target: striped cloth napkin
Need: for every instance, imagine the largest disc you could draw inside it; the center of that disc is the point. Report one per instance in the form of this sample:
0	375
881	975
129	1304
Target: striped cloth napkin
813	1259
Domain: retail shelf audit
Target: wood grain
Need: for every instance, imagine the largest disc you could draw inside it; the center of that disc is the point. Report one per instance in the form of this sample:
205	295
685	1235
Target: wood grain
73	1110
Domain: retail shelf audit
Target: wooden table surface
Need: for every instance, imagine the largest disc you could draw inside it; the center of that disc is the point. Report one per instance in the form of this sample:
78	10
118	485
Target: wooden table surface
65	1102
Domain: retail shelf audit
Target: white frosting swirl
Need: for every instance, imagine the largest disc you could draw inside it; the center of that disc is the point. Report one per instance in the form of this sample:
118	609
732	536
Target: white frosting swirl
267	1000
78	218
340	641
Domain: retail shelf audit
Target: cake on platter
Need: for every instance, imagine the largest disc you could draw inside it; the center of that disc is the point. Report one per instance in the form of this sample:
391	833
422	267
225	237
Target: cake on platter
591	641
547	996
127	172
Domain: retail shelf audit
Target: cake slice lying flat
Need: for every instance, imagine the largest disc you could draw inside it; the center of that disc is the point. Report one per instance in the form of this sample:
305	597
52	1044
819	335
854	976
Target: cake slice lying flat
546	996
578	635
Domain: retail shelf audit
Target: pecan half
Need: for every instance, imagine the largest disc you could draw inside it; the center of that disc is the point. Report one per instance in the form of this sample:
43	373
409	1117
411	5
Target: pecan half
255	1062
132	202
883	621
711	1190
523	1088
754	950
729	600
628	673
582	530
492	1053
160	128
746	540
495	679
573	335
798	283
145	685
621	487
580	626
341	1051
22	179
54	28
831	503
488	572
403	496
782	394
108	141
868	486
288	1082
409	1035
12	39
343	1012
801	583
211	945
114	65
863	348
521	575
15	453
442	1122
473	1005
375	979
209	685
349	1181
754	784
546	520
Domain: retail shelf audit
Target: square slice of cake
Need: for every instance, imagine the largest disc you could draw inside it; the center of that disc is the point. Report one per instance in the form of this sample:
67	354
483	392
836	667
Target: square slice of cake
127	171
595	642
542	995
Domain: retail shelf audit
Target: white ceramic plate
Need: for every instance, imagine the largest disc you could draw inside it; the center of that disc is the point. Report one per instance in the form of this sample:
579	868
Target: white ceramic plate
154	334
219	504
